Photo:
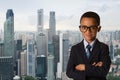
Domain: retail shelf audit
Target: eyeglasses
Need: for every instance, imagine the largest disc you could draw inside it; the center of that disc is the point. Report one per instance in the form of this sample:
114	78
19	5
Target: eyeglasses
85	28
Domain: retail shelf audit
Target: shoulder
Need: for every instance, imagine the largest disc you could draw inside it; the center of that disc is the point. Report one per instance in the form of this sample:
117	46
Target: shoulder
102	44
75	49
78	45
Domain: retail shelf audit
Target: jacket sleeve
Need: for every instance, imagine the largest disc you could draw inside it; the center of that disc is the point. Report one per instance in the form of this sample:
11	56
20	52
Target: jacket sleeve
104	69
71	72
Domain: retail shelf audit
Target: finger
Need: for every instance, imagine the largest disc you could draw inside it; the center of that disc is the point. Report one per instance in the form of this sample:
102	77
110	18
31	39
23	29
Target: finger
99	64
94	63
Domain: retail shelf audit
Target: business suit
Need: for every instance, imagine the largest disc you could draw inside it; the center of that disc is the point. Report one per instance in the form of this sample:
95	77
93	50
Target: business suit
100	52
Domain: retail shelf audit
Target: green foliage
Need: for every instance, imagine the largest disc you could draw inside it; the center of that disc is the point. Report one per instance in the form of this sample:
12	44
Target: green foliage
117	52
112	77
29	78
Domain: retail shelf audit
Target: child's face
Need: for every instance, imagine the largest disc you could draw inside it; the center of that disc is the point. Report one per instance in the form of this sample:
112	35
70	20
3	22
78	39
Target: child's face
89	28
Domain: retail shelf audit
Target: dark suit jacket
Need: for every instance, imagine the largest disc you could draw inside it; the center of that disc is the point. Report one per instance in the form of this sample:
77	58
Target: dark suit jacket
100	52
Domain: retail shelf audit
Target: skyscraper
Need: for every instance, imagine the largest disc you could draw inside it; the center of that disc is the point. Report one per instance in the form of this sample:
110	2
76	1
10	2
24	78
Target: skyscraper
40	20
41	68
50	67
1	49
30	58
52	26
55	52
111	48
6	68
19	44
65	51
23	63
60	63
9	34
41	37
41	44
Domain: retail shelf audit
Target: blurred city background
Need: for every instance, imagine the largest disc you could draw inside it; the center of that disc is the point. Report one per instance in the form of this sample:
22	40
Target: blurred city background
43	53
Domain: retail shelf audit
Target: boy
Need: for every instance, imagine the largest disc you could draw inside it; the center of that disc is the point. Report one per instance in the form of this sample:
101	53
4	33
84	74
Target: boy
89	59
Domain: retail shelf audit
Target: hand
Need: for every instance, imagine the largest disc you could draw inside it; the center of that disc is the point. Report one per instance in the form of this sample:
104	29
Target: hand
99	64
80	67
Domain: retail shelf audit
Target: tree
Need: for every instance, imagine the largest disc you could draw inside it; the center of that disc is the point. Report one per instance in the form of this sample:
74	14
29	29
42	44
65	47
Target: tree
112	77
117	52
29	78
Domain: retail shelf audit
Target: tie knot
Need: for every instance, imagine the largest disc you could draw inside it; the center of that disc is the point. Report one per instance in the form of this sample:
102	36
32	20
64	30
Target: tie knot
88	47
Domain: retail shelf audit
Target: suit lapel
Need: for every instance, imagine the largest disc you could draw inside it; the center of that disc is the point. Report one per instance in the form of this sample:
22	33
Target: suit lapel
95	50
83	52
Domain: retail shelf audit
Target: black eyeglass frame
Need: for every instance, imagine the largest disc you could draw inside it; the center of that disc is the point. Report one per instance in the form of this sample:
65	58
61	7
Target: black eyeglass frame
91	28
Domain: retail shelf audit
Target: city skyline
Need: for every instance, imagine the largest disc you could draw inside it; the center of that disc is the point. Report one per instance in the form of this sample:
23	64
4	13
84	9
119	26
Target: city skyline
67	13
44	59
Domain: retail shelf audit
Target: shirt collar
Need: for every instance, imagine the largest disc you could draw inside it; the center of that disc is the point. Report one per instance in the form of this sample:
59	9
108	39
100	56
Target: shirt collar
86	43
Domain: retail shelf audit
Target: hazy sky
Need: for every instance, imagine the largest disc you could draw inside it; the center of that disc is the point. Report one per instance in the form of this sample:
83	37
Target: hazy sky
68	13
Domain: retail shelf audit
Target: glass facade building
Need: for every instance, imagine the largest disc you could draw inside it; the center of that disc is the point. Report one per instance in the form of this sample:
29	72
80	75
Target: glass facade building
41	69
30	58
9	34
6	68
19	45
65	51
50	68
41	37
41	44
52	26
1	49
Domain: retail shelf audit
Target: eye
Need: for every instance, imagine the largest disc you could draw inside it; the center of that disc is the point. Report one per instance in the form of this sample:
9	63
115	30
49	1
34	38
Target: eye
93	27
84	27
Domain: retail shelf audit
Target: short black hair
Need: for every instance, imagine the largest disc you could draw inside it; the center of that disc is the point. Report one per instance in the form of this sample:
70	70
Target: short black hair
91	14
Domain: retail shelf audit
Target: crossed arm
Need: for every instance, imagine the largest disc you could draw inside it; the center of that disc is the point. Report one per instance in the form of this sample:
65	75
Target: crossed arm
81	67
96	69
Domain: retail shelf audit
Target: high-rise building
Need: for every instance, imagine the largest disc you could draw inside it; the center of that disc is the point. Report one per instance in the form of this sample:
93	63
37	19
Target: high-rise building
50	67
1	49
40	20
56	47
41	68
117	35
9	34
19	44
65	51
60	63
55	52
52	26
23	63
6	68
7	61
50	48
9	14
111	47
18	49
41	44
30	58
41	37
1	35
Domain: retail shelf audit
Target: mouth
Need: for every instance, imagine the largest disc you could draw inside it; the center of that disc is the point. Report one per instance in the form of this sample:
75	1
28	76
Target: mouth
89	35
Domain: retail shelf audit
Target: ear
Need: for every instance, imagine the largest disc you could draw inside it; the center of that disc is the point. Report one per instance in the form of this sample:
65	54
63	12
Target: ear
99	28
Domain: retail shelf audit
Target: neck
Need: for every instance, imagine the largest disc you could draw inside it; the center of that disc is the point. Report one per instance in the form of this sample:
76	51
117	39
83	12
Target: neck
89	41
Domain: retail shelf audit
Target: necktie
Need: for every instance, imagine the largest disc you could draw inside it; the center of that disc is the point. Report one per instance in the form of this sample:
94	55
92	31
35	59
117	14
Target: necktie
88	51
